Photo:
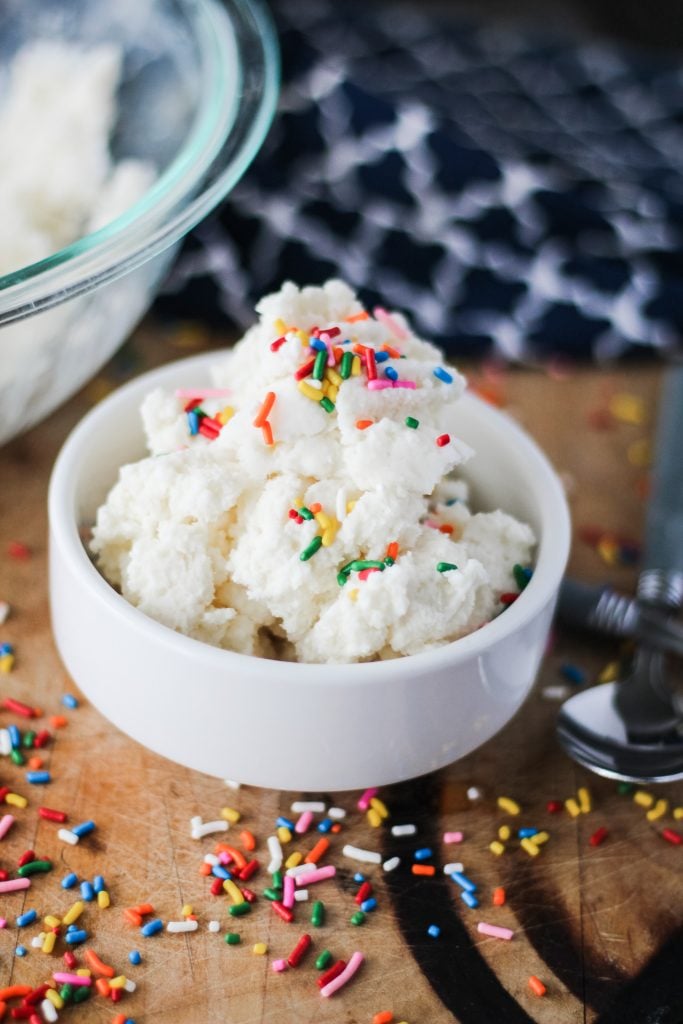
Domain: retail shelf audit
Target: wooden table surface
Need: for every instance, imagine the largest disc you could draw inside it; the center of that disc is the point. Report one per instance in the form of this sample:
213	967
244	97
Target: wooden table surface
601	926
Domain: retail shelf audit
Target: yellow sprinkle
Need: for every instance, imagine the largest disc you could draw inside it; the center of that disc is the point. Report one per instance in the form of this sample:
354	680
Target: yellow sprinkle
187	910
299	501
283	834
49	942
103	899
119	982
333	377
51	921
380	807
639	453
353	594
350	505
608	549
504	832
627	408
225	415
609	673
294	859
332	393
584	800
74	912
323	519
260	948
640	797
310	392
6	663
530	847
374	817
572	807
15	800
540	838
85	972
280	326
497	848
233	891
508	805
53	995
230	814
658	811
302	336
328	537
678	813
355	366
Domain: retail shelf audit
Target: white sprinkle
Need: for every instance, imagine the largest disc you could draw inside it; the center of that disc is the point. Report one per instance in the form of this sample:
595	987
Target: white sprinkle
49	1011
275	851
474	793
214	926
67	836
367	856
403	830
231	784
300	895
301	869
182	926
391	864
336	813
5	742
212	859
314	806
4	612
196	822
555	692
455	866
38	940
129	985
340	506
317	384
208	829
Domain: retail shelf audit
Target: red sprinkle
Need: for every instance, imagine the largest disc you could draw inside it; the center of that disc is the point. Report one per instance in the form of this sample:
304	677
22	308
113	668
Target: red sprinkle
334	972
42	738
299	951
305	369
209	427
364	573
26	857
508	598
217	887
282	911
554	806
248	870
278	343
370	364
15	549
672	837
293	514
19	707
70	959
50	815
248	894
443	439
599	836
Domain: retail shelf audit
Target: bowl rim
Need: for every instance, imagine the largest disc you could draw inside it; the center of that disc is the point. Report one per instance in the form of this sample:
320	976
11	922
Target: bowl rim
235	111
552	554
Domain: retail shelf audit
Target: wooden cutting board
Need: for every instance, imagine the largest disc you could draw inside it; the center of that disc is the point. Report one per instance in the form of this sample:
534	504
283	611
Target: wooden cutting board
602	927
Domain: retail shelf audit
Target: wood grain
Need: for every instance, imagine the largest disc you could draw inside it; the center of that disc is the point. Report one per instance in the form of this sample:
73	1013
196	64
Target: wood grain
602	927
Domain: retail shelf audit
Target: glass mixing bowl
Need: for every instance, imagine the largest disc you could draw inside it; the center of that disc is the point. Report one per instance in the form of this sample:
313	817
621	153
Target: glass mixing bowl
198	92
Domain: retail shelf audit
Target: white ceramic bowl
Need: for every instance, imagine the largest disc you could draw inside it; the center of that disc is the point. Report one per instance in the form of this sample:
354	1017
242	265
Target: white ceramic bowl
297	726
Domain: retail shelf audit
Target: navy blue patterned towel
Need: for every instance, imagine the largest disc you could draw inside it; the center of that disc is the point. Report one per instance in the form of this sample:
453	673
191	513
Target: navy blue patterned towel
516	198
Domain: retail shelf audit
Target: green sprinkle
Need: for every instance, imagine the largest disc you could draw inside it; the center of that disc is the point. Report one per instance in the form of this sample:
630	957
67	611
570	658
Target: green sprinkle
309	551
625	788
239	909
346	364
320	364
66	992
445	566
342	577
521	576
233	938
16	756
358	918
366	563
318	914
388	560
323	960
28	738
305	513
327	404
277	880
81	994
271	894
412	422
34	867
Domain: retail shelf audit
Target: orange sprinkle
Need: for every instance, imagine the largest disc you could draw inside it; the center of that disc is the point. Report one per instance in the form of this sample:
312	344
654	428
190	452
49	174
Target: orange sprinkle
338	352
392	549
385	1017
359	349
266	406
498	896
356	317
423	869
364	424
267	432
132	917
248	841
238	857
446	528
35	762
95	964
120	1018
393	352
315	507
537	986
103	987
58	721
15	992
143	908
3	1010
317	852
336	828
205	869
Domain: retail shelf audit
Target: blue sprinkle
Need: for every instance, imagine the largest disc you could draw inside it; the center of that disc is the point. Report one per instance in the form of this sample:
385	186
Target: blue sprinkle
72	928
6	649
134	957
152	927
20	951
391	373
463	881
14	736
527	833
84	829
470	899
283	822
424	854
369	904
69	880
76	936
318	345
358	877
381	357
69	701
38	778
218	871
27	918
443	375
573	673
99	884
325	825
434	931
87	892
193	422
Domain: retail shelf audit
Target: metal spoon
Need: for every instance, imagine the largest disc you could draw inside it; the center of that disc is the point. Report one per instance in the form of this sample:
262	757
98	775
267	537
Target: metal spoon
633	729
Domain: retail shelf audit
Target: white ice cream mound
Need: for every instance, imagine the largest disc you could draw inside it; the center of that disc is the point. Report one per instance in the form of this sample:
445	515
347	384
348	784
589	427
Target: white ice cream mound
262	547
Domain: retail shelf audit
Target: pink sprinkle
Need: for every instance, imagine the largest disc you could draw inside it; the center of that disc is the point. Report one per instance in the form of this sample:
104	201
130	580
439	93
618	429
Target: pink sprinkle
13	884
390	321
364	800
304	823
3	922
432	523
6	823
404	384
355	960
495	931
279	965
379	385
64	978
224	858
452	837
202	392
319	875
288	892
